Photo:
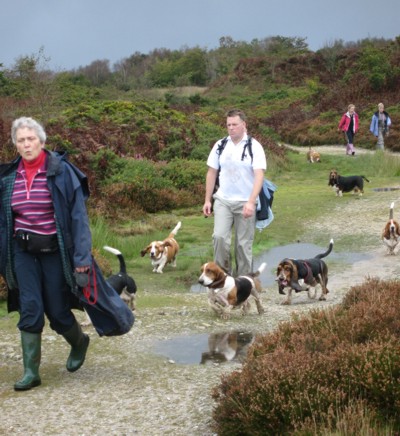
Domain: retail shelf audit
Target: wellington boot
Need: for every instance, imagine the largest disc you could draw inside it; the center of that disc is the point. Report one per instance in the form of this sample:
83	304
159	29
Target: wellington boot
31	352
79	342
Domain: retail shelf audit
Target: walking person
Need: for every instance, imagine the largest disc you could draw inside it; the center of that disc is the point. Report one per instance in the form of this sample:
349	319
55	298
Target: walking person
349	125
45	241
240	166
380	124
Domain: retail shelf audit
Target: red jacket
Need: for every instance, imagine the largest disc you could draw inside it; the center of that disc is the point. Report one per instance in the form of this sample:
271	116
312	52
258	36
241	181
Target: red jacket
345	122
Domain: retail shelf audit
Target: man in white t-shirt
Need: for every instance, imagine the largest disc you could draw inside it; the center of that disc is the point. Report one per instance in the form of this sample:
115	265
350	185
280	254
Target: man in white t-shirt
241	177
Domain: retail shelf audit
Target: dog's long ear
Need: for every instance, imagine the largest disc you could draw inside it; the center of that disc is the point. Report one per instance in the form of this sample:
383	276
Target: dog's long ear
295	273
145	250
386	232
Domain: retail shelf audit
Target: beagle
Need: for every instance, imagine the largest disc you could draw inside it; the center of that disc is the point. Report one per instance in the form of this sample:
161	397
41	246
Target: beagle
226	293
301	275
313	156
391	232
163	252
346	184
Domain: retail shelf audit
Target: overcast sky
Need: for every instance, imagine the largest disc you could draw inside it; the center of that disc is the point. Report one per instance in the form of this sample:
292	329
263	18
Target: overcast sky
74	33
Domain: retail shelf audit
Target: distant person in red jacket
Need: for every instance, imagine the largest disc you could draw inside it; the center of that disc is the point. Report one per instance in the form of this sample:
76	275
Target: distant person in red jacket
349	125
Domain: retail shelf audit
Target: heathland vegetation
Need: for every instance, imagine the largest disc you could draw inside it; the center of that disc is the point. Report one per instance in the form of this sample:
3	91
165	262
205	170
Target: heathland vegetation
142	130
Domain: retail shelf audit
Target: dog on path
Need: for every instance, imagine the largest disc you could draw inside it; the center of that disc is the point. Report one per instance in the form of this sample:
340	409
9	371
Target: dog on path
163	252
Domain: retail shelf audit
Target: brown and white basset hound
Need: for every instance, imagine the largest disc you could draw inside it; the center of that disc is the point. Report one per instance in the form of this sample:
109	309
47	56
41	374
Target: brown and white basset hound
301	275
163	252
226	292
391	232
313	156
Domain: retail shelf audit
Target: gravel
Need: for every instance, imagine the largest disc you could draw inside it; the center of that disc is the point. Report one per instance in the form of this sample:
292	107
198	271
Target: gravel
126	388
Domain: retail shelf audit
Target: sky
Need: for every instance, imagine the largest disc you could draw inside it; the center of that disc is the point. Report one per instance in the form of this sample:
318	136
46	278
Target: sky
74	33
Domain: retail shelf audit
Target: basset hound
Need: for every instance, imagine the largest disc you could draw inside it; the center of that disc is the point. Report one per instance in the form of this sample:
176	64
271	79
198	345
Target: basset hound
226	293
163	252
346	184
301	275
313	156
391	232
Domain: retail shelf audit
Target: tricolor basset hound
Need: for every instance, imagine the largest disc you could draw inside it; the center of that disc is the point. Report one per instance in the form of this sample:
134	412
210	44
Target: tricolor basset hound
226	293
391	232
346	184
312	272
163	252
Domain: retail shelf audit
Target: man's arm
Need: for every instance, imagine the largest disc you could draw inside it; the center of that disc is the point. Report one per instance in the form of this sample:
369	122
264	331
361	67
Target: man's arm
211	178
249	208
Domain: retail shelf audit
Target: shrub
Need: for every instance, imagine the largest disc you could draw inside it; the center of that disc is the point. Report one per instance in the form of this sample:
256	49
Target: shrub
185	174
314	368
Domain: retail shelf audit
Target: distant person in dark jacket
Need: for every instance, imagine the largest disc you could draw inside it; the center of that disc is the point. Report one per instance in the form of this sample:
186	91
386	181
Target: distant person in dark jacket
42	218
380	125
349	125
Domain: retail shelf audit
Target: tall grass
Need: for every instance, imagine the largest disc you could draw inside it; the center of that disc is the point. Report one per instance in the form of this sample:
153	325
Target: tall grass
302	196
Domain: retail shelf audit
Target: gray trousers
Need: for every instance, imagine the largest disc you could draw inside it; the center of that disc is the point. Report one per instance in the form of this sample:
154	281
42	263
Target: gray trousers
228	215
380	145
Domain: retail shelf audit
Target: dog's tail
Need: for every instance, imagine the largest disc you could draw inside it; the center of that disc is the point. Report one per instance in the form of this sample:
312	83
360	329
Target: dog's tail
177	227
122	265
365	179
320	256
391	211
260	269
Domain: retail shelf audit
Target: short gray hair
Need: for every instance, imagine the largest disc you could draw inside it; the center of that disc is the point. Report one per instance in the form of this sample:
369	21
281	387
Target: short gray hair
30	123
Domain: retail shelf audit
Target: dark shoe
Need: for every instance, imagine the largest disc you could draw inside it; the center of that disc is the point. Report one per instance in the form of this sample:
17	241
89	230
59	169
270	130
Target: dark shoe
353	153
31	352
79	342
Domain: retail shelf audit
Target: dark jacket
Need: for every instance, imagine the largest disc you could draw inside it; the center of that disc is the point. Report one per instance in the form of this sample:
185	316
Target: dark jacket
69	190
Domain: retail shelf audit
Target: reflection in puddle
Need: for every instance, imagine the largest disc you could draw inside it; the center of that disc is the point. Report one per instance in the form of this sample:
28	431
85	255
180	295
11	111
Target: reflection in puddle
206	348
295	251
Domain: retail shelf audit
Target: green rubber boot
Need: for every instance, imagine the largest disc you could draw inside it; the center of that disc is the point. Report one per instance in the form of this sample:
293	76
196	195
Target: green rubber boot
79	342
31	352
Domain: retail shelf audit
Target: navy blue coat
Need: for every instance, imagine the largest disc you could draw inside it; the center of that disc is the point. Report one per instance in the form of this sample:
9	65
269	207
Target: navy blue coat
69	190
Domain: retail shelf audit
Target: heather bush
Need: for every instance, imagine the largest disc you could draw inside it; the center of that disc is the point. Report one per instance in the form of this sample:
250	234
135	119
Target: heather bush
310	371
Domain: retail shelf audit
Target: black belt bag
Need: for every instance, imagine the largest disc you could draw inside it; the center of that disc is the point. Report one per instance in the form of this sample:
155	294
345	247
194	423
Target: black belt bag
36	244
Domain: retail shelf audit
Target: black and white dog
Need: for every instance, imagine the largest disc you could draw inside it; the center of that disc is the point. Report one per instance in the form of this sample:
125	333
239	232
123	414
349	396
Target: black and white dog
122	282
346	184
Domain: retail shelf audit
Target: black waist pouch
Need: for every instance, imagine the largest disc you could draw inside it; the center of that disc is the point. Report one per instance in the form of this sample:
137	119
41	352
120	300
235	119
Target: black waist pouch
36	244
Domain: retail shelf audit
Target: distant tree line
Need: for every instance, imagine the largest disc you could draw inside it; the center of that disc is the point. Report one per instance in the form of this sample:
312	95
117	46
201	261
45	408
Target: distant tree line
163	68
158	69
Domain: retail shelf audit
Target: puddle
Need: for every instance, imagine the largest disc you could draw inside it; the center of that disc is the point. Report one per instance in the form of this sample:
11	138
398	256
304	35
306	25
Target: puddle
386	189
206	348
298	250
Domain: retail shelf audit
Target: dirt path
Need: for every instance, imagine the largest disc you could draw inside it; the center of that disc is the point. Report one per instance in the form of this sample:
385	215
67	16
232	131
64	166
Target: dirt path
124	388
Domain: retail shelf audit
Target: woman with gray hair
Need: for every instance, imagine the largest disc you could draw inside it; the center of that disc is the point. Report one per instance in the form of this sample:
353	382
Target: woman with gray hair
42	214
380	124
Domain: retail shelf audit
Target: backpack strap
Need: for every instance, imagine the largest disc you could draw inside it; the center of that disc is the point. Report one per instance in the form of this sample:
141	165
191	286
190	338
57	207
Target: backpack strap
221	146
248	147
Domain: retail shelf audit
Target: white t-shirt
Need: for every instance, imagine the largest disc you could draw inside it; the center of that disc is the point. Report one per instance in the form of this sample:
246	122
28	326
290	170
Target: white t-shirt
236	177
